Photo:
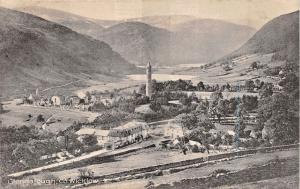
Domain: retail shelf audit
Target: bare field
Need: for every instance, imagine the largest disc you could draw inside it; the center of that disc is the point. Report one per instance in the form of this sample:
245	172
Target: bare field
233	165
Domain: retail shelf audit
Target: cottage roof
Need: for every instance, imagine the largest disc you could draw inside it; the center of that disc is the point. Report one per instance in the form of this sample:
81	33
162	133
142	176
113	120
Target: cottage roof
132	124
101	132
86	131
128	128
92	131
144	109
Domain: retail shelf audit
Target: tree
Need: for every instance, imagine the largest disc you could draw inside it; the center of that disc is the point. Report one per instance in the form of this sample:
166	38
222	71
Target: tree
88	96
280	113
290	84
98	107
155	106
222	108
193	121
185	100
142	89
90	140
40	118
187	121
250	102
254	65
239	126
200	86
228	87
1	108
266	90
215	97
258	83
249	85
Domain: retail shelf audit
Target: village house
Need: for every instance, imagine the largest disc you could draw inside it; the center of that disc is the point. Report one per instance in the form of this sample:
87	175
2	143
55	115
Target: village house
57	100
116	137
102	135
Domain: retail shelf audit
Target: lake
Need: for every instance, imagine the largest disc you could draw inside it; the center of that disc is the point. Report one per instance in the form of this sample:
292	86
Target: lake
160	77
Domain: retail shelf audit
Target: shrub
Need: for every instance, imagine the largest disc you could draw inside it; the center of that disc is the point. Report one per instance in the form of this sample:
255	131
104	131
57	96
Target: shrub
195	149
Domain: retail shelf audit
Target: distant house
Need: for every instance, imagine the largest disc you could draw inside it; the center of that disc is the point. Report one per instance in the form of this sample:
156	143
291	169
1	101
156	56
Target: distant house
18	101
214	132
116	137
74	100
57	100
128	133
173	130
102	135
231	133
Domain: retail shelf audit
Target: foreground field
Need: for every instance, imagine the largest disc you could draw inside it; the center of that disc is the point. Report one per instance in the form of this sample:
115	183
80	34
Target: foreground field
140	159
233	165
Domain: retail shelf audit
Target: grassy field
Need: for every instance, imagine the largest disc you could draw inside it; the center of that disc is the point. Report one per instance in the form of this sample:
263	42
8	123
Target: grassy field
140	159
18	116
289	182
240	72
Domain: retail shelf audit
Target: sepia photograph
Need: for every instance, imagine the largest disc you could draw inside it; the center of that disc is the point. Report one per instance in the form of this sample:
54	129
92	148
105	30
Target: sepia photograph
149	94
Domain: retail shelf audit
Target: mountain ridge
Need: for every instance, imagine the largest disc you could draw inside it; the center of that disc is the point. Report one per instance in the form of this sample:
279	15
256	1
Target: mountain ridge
36	52
187	39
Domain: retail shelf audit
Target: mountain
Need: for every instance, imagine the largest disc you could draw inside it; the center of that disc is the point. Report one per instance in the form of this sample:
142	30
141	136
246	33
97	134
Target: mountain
138	42
164	40
77	23
37	53
168	22
190	42
205	40
280	35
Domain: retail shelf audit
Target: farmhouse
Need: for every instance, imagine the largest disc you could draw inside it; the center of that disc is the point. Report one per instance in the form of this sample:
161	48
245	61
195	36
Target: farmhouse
120	136
128	133
57	100
102	135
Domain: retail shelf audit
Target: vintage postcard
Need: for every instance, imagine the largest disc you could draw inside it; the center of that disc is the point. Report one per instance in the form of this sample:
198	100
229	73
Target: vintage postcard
149	94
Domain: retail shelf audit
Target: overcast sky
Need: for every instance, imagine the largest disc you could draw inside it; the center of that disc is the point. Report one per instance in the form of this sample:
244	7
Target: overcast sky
254	13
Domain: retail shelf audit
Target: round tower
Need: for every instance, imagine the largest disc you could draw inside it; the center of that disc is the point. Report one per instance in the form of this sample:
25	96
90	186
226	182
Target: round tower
149	80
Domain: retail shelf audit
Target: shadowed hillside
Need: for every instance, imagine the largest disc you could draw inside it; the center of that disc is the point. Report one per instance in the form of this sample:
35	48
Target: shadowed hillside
36	53
77	23
280	35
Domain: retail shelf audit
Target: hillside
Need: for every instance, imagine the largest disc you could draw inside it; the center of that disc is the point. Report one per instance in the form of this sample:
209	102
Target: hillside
279	35
164	40
77	23
276	43
208	39
37	53
138	42
191	42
